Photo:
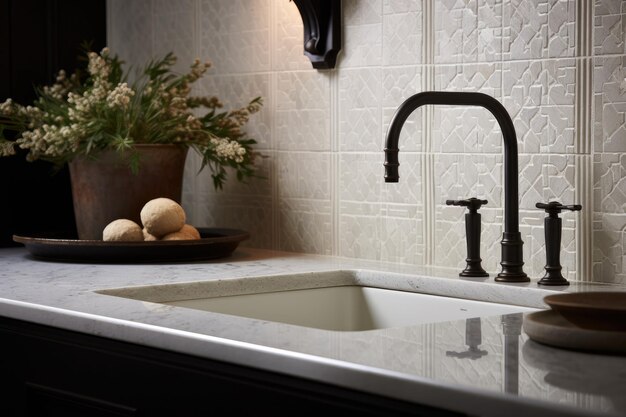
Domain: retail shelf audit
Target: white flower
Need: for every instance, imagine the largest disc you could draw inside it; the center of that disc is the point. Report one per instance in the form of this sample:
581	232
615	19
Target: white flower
98	67
7	107
229	149
120	96
6	148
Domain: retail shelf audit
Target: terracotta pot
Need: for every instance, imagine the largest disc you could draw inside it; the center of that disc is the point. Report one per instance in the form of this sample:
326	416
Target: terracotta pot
104	188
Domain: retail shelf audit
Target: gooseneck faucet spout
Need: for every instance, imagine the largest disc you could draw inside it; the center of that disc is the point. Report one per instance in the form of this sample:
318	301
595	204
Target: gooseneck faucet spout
512	245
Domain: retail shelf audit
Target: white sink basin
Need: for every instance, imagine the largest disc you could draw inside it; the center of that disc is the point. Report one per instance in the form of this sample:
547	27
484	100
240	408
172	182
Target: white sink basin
334	306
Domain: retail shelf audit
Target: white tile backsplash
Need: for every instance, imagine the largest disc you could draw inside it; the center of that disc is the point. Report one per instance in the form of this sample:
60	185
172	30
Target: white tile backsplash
610	104
610	27
235	35
468	31
538	29
539	95
359	109
467	129
558	67
402	36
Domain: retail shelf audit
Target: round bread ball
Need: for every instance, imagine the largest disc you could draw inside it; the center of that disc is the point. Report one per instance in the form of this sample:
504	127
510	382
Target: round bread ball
190	230
122	230
161	216
147	236
180	235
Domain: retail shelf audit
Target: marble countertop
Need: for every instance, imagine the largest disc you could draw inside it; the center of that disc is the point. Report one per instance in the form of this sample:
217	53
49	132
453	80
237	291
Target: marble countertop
508	375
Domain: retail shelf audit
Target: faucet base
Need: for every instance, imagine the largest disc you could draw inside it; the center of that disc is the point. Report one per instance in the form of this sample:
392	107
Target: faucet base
512	259
473	269
511	278
553	276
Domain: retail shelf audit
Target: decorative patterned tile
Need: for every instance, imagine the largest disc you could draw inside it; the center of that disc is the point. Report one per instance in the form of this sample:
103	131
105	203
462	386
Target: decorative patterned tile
246	206
402	35
609	183
467	129
409	189
204	190
175	34
362	34
468	31
362	12
237	91
302	115
609	251
251	213
169	7
538	29
190	177
402	233
288	41
544	178
609	31
463	176
360	110
399	84
235	35
610	104
303	175
361	177
359	235
130	30
305	225
507	49
401	6
384	231
540	96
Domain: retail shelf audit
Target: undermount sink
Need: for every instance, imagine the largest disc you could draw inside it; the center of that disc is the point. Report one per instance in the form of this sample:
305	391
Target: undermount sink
333	302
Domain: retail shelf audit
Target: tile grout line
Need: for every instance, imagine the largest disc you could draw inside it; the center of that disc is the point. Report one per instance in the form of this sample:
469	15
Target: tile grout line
273	171
583	130
192	160
427	124
383	209
109	23
583	195
334	160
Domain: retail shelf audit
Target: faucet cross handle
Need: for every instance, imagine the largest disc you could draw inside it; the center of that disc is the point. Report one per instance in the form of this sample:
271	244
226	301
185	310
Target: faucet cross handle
554	207
472	236
473	203
552	225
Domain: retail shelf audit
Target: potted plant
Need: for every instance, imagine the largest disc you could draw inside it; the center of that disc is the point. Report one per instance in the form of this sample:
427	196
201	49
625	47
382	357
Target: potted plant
126	140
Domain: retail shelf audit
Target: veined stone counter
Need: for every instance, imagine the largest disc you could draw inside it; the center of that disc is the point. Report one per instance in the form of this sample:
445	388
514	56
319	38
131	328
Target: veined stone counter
427	364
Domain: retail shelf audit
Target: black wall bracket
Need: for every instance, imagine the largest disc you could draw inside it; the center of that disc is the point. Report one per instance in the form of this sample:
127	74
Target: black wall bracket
322	31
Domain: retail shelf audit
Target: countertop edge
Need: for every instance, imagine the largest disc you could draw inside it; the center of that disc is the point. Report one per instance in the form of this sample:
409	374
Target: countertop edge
326	370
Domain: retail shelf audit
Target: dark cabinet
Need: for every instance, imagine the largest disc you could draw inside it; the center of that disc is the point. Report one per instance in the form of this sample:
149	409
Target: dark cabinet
46	371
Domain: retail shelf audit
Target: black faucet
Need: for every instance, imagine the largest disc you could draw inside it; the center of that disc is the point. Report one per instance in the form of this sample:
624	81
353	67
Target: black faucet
473	269
552	225
512	245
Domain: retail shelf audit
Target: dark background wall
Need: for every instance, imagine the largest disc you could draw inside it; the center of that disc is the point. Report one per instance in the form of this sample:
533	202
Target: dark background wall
37	38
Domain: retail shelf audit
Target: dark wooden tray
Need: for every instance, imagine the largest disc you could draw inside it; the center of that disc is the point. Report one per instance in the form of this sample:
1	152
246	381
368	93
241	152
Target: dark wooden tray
597	310
215	243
